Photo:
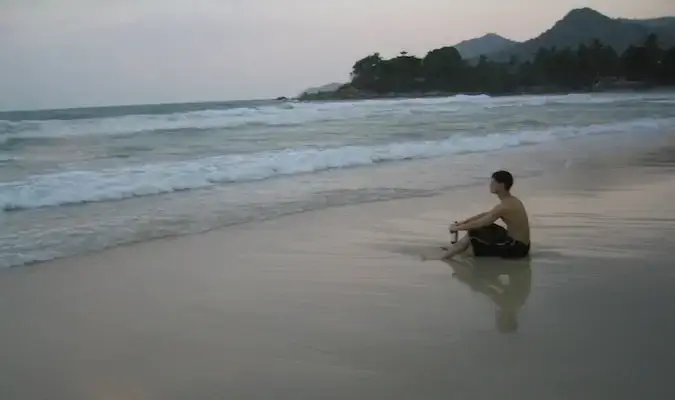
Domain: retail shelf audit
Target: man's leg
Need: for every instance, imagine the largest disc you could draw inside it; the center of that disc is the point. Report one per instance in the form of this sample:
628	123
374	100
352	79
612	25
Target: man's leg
459	247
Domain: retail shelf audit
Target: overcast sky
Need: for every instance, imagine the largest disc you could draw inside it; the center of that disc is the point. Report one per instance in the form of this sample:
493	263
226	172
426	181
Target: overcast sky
65	53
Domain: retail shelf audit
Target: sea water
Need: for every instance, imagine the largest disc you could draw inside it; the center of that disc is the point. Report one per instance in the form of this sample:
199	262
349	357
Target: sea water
80	180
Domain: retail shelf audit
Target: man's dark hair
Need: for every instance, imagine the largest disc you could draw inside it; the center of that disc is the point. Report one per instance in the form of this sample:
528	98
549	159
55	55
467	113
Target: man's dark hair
503	177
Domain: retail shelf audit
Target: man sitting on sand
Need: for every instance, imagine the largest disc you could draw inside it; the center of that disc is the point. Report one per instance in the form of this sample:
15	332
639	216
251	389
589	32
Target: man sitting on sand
488	239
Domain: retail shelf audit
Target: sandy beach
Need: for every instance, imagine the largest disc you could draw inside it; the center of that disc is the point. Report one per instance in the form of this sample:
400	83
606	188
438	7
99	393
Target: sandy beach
337	304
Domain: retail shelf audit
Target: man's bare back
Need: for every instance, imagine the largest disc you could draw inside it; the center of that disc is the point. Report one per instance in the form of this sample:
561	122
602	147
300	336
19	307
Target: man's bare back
514	215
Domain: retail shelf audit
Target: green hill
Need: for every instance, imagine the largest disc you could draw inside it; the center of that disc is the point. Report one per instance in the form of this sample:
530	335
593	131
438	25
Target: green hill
490	43
582	26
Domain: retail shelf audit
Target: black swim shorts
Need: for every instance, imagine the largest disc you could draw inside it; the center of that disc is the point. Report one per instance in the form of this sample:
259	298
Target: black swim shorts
494	241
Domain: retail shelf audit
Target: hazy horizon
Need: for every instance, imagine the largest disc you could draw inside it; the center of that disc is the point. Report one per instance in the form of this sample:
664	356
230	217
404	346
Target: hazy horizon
76	53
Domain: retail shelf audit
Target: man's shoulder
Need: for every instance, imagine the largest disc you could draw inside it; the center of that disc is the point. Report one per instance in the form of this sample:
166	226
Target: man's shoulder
511	203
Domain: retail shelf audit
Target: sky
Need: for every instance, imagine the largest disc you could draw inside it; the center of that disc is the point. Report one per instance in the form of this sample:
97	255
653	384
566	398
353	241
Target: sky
70	53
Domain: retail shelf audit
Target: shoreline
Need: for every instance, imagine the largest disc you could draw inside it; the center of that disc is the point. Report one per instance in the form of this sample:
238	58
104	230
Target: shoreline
388	175
464	194
337	97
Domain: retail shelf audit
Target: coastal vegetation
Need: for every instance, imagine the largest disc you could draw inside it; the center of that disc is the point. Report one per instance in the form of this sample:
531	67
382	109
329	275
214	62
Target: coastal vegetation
588	67
567	60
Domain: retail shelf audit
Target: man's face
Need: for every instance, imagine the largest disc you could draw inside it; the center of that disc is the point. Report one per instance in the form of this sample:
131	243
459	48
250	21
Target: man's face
494	186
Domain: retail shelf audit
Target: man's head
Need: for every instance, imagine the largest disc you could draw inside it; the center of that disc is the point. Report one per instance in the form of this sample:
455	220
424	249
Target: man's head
501	182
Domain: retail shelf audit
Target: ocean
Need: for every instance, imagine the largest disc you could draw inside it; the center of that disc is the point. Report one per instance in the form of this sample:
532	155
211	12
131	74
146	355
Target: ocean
81	180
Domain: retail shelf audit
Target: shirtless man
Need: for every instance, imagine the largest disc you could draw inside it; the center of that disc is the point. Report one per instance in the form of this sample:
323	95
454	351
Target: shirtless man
488	239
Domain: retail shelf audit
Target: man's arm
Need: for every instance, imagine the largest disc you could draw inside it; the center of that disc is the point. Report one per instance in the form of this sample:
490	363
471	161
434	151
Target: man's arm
483	220
475	217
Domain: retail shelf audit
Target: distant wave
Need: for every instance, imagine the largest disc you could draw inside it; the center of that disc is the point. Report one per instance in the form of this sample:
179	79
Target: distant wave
66	114
277	114
134	124
73	187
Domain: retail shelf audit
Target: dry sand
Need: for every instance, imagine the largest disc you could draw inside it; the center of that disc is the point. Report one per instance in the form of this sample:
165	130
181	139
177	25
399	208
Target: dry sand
337	304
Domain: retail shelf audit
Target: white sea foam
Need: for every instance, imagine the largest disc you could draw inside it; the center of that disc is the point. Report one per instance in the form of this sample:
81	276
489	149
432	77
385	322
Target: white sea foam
72	187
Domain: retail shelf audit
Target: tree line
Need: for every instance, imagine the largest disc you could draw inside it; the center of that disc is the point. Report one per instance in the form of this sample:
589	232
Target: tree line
583	68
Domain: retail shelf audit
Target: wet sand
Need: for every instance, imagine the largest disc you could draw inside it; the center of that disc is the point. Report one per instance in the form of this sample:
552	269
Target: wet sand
337	304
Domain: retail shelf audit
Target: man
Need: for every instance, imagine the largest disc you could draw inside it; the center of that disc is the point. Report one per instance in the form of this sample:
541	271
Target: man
488	239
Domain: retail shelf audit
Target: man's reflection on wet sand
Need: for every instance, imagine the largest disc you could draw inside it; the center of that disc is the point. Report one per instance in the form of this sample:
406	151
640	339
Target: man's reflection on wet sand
506	282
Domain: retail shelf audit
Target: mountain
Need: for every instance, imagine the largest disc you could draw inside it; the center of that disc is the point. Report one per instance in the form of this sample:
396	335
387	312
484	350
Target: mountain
583	25
487	44
658	23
